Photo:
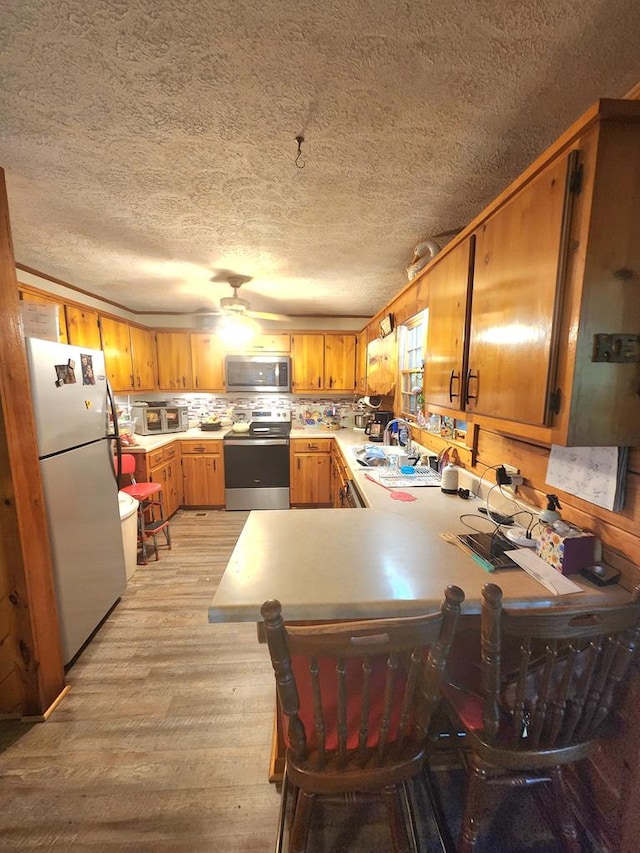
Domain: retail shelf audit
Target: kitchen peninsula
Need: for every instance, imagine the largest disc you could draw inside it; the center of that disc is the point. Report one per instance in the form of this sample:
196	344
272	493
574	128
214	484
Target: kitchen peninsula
384	560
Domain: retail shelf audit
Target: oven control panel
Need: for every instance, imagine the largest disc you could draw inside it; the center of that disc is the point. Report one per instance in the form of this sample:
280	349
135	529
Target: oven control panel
270	416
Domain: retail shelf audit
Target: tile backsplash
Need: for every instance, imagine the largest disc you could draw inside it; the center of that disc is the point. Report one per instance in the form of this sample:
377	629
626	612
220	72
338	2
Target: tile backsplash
306	412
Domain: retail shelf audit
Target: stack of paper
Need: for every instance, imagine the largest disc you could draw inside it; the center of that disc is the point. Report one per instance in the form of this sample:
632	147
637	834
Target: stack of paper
542	572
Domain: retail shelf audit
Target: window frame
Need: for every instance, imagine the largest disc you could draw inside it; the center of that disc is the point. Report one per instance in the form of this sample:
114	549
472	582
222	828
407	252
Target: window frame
412	340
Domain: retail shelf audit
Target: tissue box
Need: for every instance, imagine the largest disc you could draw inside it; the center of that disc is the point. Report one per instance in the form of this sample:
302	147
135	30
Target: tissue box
568	549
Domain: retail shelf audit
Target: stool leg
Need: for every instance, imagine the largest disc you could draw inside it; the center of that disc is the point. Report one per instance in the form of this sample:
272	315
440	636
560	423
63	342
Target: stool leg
142	539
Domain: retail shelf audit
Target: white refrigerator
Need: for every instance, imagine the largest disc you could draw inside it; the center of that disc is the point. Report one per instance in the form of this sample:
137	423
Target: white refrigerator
72	404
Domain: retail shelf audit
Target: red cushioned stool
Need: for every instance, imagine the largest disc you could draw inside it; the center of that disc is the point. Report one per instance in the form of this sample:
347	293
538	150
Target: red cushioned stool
151	517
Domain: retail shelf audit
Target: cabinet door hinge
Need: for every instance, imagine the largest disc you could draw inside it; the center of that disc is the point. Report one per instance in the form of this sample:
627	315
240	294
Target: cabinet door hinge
554	401
575	180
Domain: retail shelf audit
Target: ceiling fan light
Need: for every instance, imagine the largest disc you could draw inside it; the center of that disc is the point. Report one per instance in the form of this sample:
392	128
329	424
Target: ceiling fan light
237	330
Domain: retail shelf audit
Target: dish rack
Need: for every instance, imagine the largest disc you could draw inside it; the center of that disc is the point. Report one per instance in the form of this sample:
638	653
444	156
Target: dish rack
424	476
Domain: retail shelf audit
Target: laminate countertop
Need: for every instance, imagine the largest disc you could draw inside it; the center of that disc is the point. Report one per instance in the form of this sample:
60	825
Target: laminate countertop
384	560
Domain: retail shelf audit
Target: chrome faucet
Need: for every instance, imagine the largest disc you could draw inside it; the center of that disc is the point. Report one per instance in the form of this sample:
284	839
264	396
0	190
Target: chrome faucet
387	430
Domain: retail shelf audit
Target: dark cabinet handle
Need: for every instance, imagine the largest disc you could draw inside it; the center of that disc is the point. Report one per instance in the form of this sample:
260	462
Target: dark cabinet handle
471	375
319	382
453	378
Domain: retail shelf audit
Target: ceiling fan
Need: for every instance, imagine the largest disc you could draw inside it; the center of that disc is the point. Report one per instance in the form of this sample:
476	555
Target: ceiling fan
237	306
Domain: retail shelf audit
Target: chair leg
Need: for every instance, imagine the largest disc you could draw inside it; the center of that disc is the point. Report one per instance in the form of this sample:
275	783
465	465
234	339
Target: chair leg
566	820
282	816
474	808
400	842
301	822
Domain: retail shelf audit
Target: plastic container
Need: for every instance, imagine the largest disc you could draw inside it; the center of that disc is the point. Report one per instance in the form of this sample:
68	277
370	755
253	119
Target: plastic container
449	480
129	525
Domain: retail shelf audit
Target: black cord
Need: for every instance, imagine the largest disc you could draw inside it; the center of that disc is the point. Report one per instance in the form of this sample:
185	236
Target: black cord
487	468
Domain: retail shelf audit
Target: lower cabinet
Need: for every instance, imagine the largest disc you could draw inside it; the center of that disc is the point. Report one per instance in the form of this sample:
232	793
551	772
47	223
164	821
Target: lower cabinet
203	473
339	479
164	468
311	472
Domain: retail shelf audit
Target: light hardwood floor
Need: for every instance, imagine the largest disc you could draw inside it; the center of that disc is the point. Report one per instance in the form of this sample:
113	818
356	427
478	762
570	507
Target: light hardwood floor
163	742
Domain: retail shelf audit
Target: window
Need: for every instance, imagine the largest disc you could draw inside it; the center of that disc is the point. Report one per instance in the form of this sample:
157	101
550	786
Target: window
412	337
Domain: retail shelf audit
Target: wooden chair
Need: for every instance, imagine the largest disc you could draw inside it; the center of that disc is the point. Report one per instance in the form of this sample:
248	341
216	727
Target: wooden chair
357	698
522	726
151	517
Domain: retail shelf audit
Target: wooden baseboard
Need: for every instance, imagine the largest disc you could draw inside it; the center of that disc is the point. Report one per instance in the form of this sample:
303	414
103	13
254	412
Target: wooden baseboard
41	718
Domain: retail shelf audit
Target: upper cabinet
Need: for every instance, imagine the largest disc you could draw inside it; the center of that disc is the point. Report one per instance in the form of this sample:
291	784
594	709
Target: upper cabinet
83	327
174	361
541	338
449	301
307	357
143	358
339	362
361	362
519	263
129	354
28	296
207	362
323	362
280	343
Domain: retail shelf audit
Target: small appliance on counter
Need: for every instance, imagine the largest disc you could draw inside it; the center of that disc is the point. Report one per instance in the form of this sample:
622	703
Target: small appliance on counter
375	428
155	418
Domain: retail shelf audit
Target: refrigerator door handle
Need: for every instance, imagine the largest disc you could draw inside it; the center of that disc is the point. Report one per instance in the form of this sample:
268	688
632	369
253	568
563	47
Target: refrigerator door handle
115	436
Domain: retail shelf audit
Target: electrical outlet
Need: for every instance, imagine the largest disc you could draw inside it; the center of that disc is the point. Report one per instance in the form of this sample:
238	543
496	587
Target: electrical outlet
514	479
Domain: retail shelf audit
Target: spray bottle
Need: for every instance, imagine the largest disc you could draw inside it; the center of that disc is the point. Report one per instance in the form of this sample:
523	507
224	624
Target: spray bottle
551	514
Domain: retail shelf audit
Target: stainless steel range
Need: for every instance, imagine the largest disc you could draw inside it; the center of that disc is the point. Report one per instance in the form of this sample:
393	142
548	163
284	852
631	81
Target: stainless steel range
256	463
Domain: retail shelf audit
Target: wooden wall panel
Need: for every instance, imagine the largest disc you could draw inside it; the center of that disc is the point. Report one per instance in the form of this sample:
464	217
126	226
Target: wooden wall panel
616	530
30	654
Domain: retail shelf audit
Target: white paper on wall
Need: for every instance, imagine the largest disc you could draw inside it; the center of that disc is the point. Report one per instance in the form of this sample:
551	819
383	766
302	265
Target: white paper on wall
595	474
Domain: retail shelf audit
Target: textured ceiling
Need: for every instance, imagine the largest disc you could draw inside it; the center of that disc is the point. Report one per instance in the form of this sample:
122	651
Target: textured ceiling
149	144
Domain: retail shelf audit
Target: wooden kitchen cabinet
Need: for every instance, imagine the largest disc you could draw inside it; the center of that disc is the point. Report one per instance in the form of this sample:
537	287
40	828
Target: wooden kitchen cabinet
449	287
280	343
339	478
129	354
83	327
116	344
311	472
323	362
143	358
361	362
307	362
207	362
165	468
553	339
519	258
174	361
203	473
29	296
339	362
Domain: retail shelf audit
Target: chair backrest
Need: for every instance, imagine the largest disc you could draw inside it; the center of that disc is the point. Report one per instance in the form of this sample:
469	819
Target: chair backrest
127	466
359	685
569	660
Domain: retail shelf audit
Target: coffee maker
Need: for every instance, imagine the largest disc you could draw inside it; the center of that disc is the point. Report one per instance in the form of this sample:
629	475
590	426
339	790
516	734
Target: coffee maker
375	427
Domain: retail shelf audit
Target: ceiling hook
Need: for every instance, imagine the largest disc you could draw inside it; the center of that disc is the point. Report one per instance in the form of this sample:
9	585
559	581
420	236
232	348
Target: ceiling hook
299	140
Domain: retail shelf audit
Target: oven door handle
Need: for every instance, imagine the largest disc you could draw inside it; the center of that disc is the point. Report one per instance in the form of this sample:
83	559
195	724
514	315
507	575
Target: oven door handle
251	442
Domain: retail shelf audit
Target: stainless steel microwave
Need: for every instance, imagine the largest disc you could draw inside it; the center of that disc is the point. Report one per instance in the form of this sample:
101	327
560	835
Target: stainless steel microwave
160	418
267	373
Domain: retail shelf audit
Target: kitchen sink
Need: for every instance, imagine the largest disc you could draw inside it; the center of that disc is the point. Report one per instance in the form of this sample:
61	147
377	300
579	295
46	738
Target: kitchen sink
360	452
